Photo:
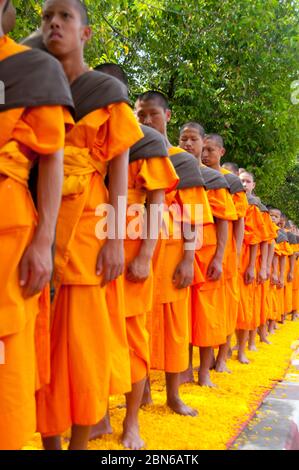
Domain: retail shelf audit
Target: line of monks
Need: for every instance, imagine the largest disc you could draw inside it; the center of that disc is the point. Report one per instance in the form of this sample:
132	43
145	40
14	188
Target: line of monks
70	142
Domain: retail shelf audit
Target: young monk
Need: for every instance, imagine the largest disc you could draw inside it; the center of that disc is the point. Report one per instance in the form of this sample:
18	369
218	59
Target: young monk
261	262
290	272
208	315
174	258
86	259
213	151
295	306
274	275
32	132
150	174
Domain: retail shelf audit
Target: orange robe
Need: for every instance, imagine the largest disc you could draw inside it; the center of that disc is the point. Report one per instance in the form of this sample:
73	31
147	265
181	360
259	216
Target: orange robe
169	319
81	358
288	288
262	291
144	175
24	322
296	282
253	223
208	305
282	249
232	293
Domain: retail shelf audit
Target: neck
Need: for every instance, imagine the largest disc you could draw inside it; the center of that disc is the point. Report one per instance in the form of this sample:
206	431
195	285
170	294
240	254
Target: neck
74	67
168	144
216	167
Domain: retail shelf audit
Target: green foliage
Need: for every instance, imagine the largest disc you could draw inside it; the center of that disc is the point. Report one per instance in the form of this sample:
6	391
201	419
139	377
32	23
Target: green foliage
228	64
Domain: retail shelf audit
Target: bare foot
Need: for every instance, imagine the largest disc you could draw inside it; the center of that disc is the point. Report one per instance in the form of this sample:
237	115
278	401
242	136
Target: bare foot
147	395
222	367
243	359
131	437
294	316
187	376
179	407
252	347
101	429
205	381
264	340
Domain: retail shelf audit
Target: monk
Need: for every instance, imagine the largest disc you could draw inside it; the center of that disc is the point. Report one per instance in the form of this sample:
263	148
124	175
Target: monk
174	256
32	134
261	263
150	174
89	246
213	152
208	314
274	276
295	309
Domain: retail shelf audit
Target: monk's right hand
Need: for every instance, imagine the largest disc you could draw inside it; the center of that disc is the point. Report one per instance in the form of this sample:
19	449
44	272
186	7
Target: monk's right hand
111	261
214	271
139	269
36	267
249	276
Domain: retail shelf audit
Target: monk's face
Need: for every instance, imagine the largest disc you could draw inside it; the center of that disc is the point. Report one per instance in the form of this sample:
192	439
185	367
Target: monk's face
212	153
247	182
275	215
152	114
62	27
8	17
192	142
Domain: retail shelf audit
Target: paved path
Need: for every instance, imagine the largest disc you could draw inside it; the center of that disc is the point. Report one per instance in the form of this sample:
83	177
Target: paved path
276	424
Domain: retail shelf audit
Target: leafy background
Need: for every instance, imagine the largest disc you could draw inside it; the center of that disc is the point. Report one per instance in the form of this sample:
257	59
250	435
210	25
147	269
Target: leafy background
228	64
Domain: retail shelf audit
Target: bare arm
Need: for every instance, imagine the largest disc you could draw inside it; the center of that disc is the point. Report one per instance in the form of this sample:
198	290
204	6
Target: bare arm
139	268
271	250
274	275
282	267
37	265
214	271
239	227
249	273
184	273
292	267
111	259
262	275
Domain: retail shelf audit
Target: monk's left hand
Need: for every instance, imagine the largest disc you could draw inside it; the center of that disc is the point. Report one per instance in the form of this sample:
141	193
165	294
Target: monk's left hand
139	269
35	268
111	261
214	271
184	274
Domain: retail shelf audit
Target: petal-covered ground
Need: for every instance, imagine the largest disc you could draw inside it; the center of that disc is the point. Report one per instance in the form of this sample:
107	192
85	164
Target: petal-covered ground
222	410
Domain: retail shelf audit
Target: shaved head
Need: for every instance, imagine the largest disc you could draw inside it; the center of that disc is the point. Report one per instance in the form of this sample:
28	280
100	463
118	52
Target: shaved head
156	96
114	70
193	125
81	7
216	138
